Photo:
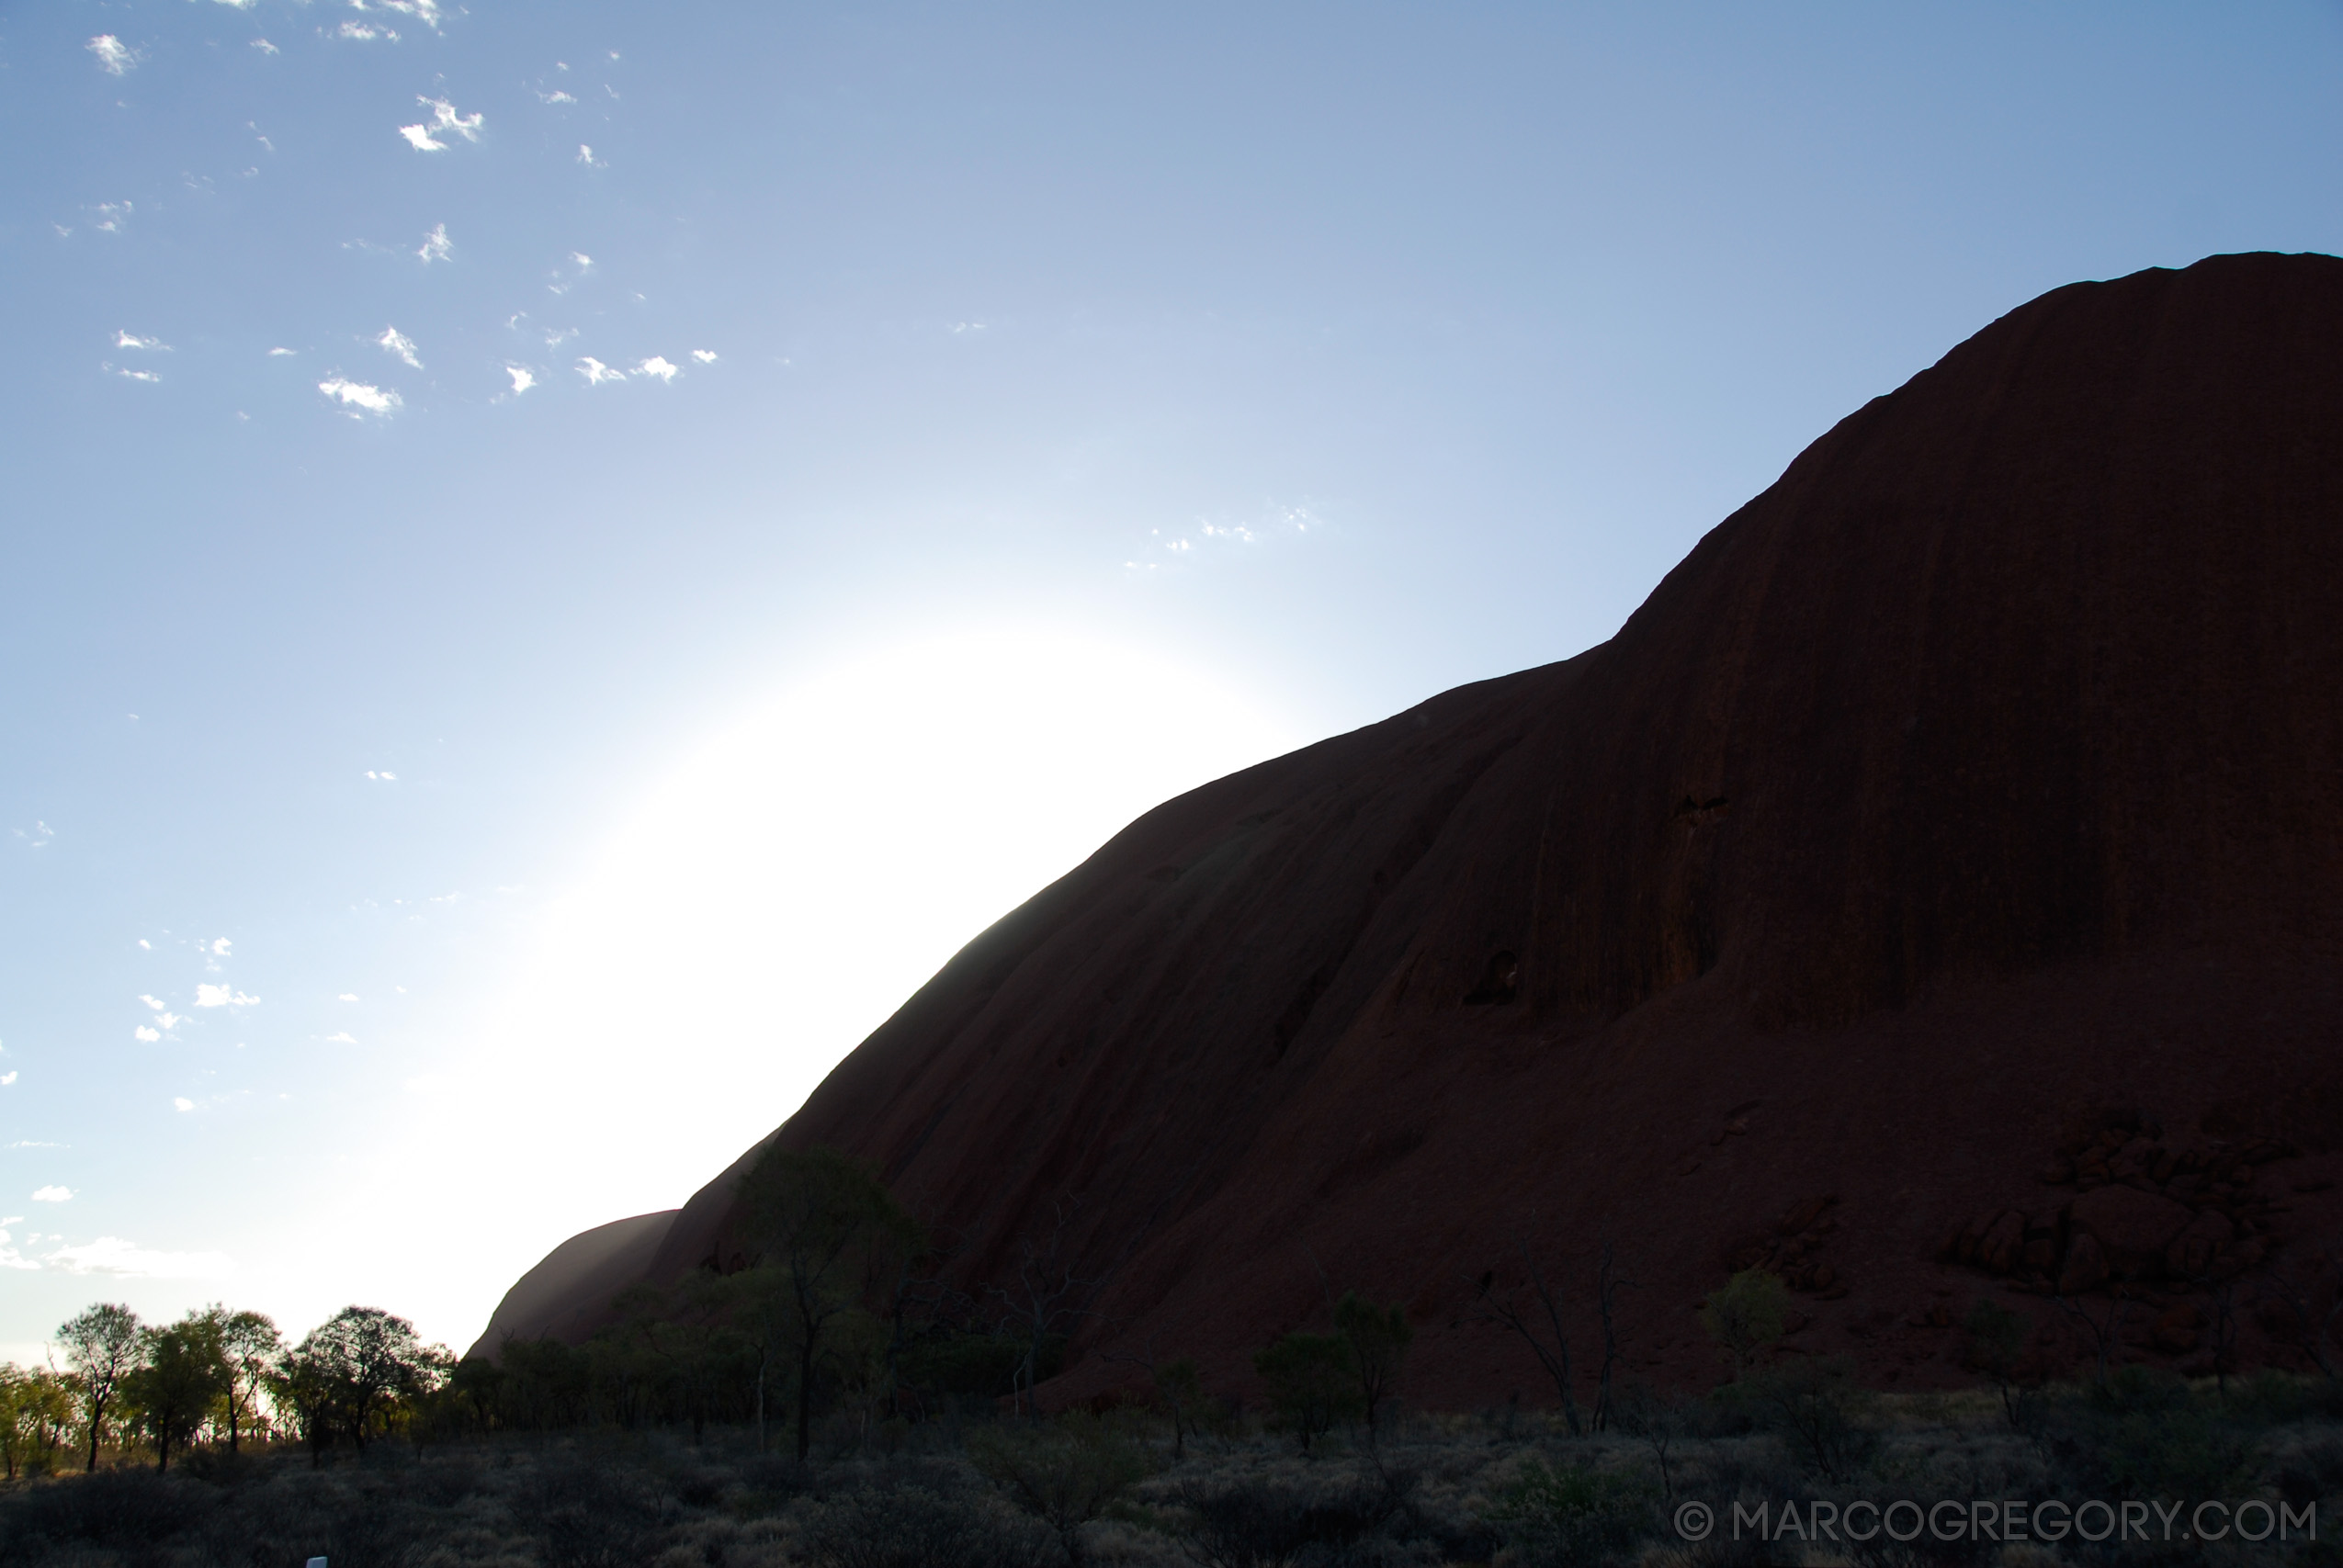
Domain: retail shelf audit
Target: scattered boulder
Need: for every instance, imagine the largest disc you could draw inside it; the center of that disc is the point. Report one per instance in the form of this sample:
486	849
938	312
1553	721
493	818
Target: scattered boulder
2133	1228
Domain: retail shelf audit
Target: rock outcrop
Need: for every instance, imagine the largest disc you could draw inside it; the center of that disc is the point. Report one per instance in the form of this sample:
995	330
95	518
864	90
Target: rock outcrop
1982	774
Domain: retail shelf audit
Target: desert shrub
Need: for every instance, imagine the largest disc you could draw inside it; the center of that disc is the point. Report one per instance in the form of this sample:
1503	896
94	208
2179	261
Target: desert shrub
594	1515
1550	1517
1064	1474
1259	1521
108	1508
2144	1433
914	1526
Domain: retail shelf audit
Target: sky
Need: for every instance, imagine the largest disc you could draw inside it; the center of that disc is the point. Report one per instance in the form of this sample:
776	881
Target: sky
562	557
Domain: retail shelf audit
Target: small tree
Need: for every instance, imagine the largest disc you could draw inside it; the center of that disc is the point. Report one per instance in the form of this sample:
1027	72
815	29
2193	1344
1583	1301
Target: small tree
15	1415
183	1372
1377	1338
820	1220
1509	1311
249	1344
1312	1381
1996	1339
1657	1419
1041	1301
1746	1315
1066	1472
102	1345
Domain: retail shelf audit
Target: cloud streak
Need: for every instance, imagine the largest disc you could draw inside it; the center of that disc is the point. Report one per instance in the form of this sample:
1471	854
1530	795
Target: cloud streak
436	246
399	345
444	118
114	57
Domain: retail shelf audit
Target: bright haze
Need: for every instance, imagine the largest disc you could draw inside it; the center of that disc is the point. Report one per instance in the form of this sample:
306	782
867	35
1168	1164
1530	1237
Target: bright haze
562	557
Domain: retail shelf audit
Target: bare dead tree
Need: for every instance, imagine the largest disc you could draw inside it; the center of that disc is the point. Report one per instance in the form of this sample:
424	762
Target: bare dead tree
1508	1310
2106	1330
1043	1296
1607	1286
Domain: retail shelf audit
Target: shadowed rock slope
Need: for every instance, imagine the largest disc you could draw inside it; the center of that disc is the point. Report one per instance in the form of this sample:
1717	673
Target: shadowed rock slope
1954	838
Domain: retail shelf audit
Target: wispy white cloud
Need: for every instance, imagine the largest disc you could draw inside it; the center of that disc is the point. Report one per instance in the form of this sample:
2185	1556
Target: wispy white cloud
152	1002
220	945
112	1255
582	262
128	375
382	777
264	47
39	838
555	339
348	996
424	138
423	11
275	353
149	1035
399	345
114	56
113	217
344	1038
436	246
238	5
704	355
523	378
596	372
659	366
6	1079
131	340
555	96
585	156
146	944
53	1195
366	32
182	1104
223	997
357	396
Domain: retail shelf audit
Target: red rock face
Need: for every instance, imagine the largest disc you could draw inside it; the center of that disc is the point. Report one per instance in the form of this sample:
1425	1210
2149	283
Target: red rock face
1980	780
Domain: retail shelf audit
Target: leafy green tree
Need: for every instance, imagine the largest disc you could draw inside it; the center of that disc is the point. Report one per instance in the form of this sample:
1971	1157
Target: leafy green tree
349	1374
249	1346
1746	1316
183	1372
15	1415
45	1403
1312	1381
102	1345
1377	1338
819	1222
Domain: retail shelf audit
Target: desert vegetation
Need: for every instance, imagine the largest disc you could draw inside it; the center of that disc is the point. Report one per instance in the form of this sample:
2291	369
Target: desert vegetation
834	1404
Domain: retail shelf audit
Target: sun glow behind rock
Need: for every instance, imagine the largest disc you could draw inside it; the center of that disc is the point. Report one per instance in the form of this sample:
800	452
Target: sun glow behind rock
787	887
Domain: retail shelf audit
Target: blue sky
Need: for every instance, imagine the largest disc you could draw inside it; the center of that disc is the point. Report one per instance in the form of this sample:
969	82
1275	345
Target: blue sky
562	557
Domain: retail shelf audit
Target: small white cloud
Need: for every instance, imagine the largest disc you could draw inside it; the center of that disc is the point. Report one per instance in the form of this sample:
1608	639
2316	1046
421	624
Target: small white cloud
223	997
183	1104
445	117
523	378
344	1038
584	262
436	246
556	339
264	47
149	1001
357	395
704	355
278	353
399	345
219	946
131	340
556	96
149	1035
113	217
53	1195
384	778
596	372
239	5
419	136
146	944
6	1079
585	156
114	57
112	1255
423	11
349	997
365	32
656	365
147	375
